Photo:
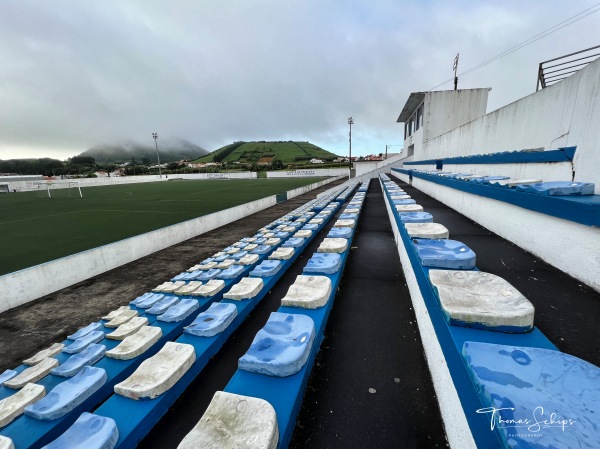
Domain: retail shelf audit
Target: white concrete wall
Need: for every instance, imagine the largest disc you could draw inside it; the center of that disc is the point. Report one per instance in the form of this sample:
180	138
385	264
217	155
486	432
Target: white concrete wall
119	180
304	189
564	114
365	167
307	173
31	283
566	245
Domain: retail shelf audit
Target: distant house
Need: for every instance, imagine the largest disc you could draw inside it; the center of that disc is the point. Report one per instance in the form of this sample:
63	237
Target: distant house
212	164
340	159
265	160
118	172
196	165
316	161
101	174
373	158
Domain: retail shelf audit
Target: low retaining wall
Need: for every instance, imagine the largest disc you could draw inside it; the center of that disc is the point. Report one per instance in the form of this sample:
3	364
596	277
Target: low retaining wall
562	243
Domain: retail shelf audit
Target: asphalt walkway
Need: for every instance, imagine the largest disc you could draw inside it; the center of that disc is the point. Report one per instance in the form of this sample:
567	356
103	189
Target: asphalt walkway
370	386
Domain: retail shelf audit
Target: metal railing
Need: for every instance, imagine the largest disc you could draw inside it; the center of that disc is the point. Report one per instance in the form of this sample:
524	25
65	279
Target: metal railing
564	68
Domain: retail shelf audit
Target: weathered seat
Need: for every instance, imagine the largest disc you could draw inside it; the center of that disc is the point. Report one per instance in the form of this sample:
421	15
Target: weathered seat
427	230
246	288
12	407
158	373
136	344
179	311
32	374
482	300
213	320
281	347
89	431
67	395
81	343
43	354
333	245
308	292
251	424
121	318
283	253
77	362
211	288
127	329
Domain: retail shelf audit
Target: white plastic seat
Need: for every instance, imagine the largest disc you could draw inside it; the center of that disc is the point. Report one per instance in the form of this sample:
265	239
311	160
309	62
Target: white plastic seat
303	233
211	288
122	318
273	241
333	245
427	230
226	264
409	208
344	224
251	423
115	313
207	266
44	354
248	259
136	344
6	443
246	288
188	288
158	373
32	374
482	300
308	292
282	254
250	247
13	406
129	328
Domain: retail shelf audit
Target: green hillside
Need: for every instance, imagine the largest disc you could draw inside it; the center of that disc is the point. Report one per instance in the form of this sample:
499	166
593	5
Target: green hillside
250	152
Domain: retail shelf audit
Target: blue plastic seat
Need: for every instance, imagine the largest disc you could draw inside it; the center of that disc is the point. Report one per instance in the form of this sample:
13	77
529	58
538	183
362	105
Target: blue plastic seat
344	233
180	277
416	217
90	432
282	235
238	255
260	240
212	321
488	179
517	381
294	242
209	274
77	362
161	306
403	202
231	272
81	343
282	347
179	311
221	258
556	188
150	301
348	217
7	375
67	395
141	298
444	253
266	268
85	330
262	249
311	226
323	263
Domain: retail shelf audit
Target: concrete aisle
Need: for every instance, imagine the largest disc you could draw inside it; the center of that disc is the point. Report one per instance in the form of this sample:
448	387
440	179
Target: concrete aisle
370	386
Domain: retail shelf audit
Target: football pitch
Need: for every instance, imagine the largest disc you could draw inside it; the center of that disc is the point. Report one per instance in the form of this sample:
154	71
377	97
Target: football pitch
35	230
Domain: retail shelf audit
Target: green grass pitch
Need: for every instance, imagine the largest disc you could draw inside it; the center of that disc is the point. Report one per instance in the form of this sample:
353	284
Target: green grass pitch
35	230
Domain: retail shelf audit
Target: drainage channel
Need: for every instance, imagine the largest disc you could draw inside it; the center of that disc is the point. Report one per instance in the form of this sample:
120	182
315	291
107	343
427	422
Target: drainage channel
370	385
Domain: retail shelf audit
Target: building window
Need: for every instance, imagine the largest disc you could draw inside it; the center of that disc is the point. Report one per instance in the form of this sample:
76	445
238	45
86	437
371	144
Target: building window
420	117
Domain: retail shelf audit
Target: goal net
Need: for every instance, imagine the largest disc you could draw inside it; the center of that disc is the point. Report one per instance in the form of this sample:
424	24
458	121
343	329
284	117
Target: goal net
66	189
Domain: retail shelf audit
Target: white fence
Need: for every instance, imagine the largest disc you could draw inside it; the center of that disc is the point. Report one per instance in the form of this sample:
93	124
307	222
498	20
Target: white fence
308	173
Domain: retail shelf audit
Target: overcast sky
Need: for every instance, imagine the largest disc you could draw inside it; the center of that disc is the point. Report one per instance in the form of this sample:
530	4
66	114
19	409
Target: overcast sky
75	74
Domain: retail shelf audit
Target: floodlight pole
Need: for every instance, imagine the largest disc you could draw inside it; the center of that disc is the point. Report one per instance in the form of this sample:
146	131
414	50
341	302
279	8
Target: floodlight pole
155	137
350	122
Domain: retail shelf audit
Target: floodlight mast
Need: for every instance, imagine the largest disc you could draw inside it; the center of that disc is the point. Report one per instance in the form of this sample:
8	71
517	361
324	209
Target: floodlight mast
155	137
350	122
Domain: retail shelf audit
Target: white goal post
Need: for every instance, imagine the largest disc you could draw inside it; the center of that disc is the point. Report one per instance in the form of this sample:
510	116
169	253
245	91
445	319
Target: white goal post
60	189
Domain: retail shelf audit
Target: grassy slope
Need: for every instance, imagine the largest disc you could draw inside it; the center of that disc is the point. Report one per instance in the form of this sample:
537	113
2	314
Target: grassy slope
34	230
284	151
